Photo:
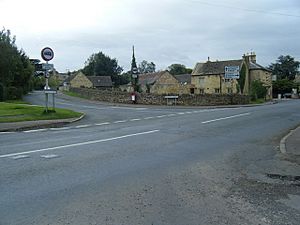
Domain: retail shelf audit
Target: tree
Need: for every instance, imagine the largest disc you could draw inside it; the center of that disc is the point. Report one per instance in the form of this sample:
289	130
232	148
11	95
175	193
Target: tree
15	68
176	69
257	90
283	86
285	67
100	64
146	67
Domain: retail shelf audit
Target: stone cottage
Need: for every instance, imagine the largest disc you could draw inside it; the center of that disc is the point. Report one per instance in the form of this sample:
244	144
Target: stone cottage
80	80
209	77
158	83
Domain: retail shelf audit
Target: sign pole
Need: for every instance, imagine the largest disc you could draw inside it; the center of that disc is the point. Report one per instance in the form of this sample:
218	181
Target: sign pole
47	55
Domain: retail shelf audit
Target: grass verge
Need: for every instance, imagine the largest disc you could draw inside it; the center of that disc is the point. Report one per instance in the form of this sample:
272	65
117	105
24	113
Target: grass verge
258	101
74	94
12	112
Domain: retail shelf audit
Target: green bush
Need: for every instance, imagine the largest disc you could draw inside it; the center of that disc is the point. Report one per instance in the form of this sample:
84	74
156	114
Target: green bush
14	93
257	90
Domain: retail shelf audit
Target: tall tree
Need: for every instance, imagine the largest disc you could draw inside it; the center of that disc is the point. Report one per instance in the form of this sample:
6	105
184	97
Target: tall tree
176	69
100	64
285	67
15	68
146	67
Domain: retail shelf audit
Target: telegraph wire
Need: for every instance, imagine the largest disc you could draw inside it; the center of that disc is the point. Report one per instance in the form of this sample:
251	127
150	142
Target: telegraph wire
246	9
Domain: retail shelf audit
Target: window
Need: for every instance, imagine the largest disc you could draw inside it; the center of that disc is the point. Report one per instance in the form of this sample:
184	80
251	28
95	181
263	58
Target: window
201	91
192	90
201	80
229	90
217	90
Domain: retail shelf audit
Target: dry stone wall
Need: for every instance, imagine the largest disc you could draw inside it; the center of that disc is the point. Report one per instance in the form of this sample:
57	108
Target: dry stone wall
115	96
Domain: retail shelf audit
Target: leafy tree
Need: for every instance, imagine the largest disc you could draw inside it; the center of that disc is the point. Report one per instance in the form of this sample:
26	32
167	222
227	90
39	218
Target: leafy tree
257	90
100	64
123	78
176	69
241	80
146	67
283	86
285	67
15	68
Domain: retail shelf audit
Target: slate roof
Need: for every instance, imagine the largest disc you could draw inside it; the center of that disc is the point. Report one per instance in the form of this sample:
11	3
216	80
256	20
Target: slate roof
256	66
149	78
69	78
101	81
218	67
184	78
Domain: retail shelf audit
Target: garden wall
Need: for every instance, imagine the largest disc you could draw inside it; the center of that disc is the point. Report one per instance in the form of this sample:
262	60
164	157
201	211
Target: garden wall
115	96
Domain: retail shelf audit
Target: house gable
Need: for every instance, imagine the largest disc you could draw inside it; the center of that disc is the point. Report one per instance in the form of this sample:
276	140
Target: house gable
80	80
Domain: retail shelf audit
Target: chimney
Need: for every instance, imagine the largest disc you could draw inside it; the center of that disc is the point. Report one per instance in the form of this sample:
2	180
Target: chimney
252	57
208	59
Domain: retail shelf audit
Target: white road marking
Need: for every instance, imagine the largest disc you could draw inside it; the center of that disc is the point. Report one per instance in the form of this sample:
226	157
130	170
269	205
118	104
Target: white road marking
79	144
50	156
60	128
181	113
161	116
225	118
132	108
32	131
121	121
148	118
135	120
101	124
171	115
20	157
7	132
83	126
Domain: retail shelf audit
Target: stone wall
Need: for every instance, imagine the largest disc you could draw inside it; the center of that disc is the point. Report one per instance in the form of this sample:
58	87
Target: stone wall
152	99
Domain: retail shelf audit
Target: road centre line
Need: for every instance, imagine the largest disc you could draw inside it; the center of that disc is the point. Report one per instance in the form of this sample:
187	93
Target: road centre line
161	116
101	124
59	128
32	131
83	126
225	118
121	121
148	118
135	120
79	144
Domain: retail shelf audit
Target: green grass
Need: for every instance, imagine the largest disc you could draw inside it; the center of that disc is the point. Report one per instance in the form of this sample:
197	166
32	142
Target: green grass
11	112
258	101
73	94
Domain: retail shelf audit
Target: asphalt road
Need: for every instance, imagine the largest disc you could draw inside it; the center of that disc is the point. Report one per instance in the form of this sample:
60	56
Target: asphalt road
151	165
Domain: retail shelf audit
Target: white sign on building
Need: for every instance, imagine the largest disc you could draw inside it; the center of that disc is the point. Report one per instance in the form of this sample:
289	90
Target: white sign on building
232	72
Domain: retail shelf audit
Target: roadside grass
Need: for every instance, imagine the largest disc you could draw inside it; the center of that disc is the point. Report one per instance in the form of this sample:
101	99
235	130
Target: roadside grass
12	112
74	94
258	101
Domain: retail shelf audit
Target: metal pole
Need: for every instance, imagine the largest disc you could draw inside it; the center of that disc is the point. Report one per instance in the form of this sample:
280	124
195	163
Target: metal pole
53	99
46	88
46	102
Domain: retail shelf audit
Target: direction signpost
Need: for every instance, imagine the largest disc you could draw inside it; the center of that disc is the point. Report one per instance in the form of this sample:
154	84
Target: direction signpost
232	72
47	55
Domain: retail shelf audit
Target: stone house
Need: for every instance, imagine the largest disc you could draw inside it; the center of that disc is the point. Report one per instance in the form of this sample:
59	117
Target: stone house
159	83
209	77
186	87
80	80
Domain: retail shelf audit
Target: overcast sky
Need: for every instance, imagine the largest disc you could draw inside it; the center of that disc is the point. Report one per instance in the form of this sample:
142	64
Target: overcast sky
163	31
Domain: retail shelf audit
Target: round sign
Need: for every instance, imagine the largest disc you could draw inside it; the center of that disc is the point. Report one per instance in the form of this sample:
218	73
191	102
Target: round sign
47	54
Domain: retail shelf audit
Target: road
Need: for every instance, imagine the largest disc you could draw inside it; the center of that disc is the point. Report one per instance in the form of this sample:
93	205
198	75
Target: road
151	165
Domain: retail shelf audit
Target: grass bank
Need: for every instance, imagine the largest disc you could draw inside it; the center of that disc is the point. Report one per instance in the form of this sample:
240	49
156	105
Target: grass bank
74	94
13	112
